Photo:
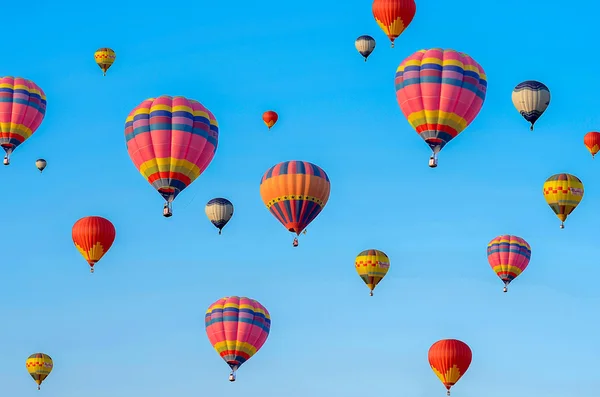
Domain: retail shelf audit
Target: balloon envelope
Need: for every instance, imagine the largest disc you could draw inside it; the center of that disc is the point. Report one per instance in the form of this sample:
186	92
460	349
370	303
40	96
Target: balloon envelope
563	193
171	141
591	140
531	98
93	236
219	211
393	16
270	118
40	164
237	327
104	58
365	45
508	256
39	366
295	192
440	92
22	109
449	360
372	266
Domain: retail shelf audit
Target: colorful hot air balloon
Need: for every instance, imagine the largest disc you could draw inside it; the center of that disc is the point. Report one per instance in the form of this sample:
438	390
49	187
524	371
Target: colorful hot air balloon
508	256
365	45
105	57
40	164
39	366
22	109
393	16
171	141
592	142
563	193
93	237
295	192
440	92
270	118
237	327
372	266
219	211
449	360
531	98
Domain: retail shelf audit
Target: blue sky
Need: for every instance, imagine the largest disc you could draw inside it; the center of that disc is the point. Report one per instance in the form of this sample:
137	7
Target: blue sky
135	327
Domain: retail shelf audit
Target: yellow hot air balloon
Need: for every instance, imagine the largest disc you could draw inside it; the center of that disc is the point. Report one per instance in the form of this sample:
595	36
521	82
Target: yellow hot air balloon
372	266
105	57
563	192
39	366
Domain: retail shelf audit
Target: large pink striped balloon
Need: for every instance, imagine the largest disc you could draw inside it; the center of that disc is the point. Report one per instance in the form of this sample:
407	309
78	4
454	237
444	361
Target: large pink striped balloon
22	109
508	256
440	92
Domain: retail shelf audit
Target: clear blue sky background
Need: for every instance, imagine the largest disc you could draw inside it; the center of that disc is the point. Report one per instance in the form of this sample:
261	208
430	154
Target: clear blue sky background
136	327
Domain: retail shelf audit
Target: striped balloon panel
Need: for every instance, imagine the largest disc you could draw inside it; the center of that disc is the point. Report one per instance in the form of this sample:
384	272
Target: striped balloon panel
295	192
237	327
508	256
39	366
365	45
219	211
531	98
440	92
563	192
171	141
372	265
22	109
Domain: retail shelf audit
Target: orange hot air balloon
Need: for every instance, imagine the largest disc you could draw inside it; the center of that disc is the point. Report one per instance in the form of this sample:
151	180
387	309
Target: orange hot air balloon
592	142
93	236
449	360
270	118
393	16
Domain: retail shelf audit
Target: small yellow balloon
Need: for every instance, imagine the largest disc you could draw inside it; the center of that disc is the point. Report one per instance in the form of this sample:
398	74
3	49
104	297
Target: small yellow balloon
563	192
105	57
372	266
39	366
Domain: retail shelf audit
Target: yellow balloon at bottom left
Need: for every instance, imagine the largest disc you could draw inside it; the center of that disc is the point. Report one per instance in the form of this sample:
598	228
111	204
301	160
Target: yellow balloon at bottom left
39	366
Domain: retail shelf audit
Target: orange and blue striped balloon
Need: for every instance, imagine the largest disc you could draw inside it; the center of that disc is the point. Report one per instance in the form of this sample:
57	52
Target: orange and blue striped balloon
22	109
171	141
295	192
508	256
237	327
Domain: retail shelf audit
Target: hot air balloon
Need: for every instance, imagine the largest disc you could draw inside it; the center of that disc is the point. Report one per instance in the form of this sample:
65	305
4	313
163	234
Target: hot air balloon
295	192
563	193
449	360
440	93
171	141
372	266
393	16
93	237
40	164
592	142
105	57
365	45
270	118
531	98
508	256
219	211
22	109
237	328
39	366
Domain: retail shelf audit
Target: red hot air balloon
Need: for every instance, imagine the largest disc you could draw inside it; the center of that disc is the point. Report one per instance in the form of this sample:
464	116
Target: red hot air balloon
592	142
93	237
393	16
449	360
270	118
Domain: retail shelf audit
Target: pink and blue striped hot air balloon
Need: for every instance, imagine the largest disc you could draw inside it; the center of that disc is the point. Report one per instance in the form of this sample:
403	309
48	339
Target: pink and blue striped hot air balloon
440	92
171	141
508	256
22	109
237	327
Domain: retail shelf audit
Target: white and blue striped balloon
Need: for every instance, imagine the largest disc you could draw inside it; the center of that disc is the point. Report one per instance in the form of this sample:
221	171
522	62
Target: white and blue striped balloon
219	211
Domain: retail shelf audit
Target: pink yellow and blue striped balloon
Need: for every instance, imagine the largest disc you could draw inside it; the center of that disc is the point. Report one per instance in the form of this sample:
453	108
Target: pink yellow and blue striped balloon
22	109
171	141
440	92
237	327
508	256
